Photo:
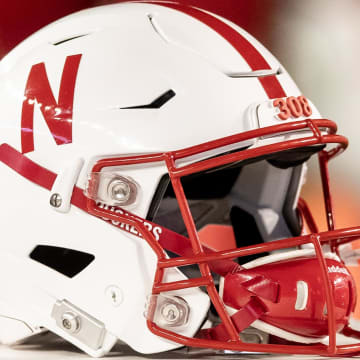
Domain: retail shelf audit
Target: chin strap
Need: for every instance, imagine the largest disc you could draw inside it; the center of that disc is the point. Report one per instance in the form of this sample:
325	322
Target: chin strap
246	284
242	319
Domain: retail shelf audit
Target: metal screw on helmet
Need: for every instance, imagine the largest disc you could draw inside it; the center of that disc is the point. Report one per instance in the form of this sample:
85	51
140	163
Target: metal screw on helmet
122	190
79	325
170	313
167	311
114	294
70	322
174	311
55	200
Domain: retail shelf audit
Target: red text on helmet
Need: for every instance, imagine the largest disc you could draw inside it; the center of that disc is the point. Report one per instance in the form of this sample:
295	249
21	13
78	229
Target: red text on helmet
292	107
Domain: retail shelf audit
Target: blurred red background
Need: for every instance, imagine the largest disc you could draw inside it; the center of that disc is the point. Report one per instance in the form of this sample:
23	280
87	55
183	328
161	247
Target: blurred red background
19	19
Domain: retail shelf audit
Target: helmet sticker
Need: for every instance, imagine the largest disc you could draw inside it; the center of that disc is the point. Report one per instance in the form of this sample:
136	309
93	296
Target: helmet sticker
57	114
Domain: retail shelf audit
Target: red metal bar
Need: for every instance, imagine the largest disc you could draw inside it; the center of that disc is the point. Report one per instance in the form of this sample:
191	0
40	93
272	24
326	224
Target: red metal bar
307	216
317	349
325	179
256	133
182	284
342	235
255	152
330	304
230	140
197	248
184	208
349	331
127	160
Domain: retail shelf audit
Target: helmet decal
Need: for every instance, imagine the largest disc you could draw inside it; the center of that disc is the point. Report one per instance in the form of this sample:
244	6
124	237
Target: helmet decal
57	114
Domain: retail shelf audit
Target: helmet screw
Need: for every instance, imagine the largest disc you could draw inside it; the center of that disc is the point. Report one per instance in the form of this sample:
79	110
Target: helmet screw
115	295
70	322
120	191
55	200
170	312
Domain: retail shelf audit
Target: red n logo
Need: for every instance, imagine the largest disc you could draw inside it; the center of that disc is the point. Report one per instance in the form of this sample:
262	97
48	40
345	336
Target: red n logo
58	115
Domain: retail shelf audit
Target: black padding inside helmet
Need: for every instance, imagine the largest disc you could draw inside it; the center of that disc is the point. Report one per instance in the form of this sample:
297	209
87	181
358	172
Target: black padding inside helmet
212	184
207	194
294	157
291	215
158	196
246	232
217	182
204	212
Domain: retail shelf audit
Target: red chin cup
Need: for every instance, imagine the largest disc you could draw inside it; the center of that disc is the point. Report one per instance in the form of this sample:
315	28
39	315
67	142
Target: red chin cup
301	308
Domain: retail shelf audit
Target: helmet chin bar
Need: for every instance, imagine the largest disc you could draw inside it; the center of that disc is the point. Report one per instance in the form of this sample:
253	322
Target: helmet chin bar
221	261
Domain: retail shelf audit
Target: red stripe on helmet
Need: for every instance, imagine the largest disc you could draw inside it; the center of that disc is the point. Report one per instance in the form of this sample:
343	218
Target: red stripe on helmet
252	56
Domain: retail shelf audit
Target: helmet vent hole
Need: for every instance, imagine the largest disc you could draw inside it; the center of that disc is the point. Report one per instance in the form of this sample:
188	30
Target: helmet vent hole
68	39
157	28
68	262
157	103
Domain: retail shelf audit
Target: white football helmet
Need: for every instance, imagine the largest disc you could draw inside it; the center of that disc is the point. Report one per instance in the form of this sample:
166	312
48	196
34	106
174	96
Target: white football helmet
152	156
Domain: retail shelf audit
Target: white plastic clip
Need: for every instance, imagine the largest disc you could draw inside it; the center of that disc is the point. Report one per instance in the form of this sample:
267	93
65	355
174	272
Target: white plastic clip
62	190
302	295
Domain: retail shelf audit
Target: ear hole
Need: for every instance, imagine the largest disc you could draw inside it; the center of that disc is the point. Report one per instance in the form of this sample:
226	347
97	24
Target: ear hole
68	262
59	42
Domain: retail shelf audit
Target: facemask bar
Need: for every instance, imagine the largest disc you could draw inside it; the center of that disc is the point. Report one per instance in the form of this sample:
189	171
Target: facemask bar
203	258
